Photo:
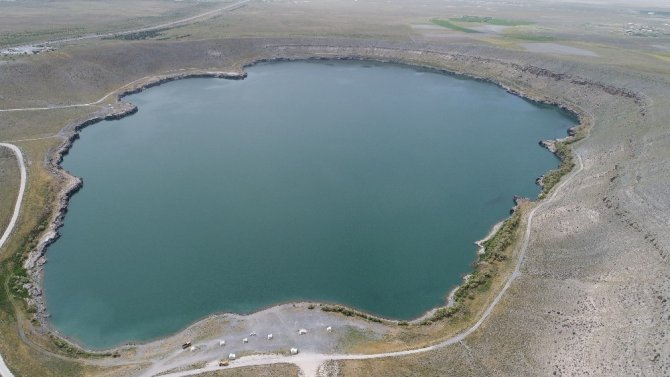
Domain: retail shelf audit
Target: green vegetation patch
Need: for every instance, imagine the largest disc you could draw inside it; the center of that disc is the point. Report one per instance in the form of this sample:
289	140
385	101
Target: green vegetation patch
138	36
479	281
495	247
492	21
24	37
349	312
564	153
17	277
532	37
450	25
552	178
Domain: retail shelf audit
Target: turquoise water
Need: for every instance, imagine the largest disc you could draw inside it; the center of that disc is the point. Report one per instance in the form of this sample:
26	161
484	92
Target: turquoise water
348	182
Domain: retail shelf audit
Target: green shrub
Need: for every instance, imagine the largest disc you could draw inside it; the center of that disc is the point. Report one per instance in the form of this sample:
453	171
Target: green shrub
495	246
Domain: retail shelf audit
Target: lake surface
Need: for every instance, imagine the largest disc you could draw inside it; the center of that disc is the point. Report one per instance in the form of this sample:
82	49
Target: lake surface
348	182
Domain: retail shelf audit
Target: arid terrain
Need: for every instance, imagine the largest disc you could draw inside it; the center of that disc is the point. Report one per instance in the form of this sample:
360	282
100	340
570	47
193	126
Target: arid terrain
583	287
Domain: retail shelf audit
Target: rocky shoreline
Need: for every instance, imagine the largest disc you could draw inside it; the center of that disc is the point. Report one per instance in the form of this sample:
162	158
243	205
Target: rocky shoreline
34	264
120	109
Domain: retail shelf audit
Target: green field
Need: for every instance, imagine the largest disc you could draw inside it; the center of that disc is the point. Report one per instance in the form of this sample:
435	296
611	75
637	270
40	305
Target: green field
450	25
531	37
492	21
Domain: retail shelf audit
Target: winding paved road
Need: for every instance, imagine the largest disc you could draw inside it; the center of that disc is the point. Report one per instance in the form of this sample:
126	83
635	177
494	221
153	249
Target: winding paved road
4	371
19	198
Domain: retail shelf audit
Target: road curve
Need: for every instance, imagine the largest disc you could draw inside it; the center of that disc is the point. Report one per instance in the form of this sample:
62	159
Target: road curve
57	107
155	27
310	362
165	25
19	198
4	371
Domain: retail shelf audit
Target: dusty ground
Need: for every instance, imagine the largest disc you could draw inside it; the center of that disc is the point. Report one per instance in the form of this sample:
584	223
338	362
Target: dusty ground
593	294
